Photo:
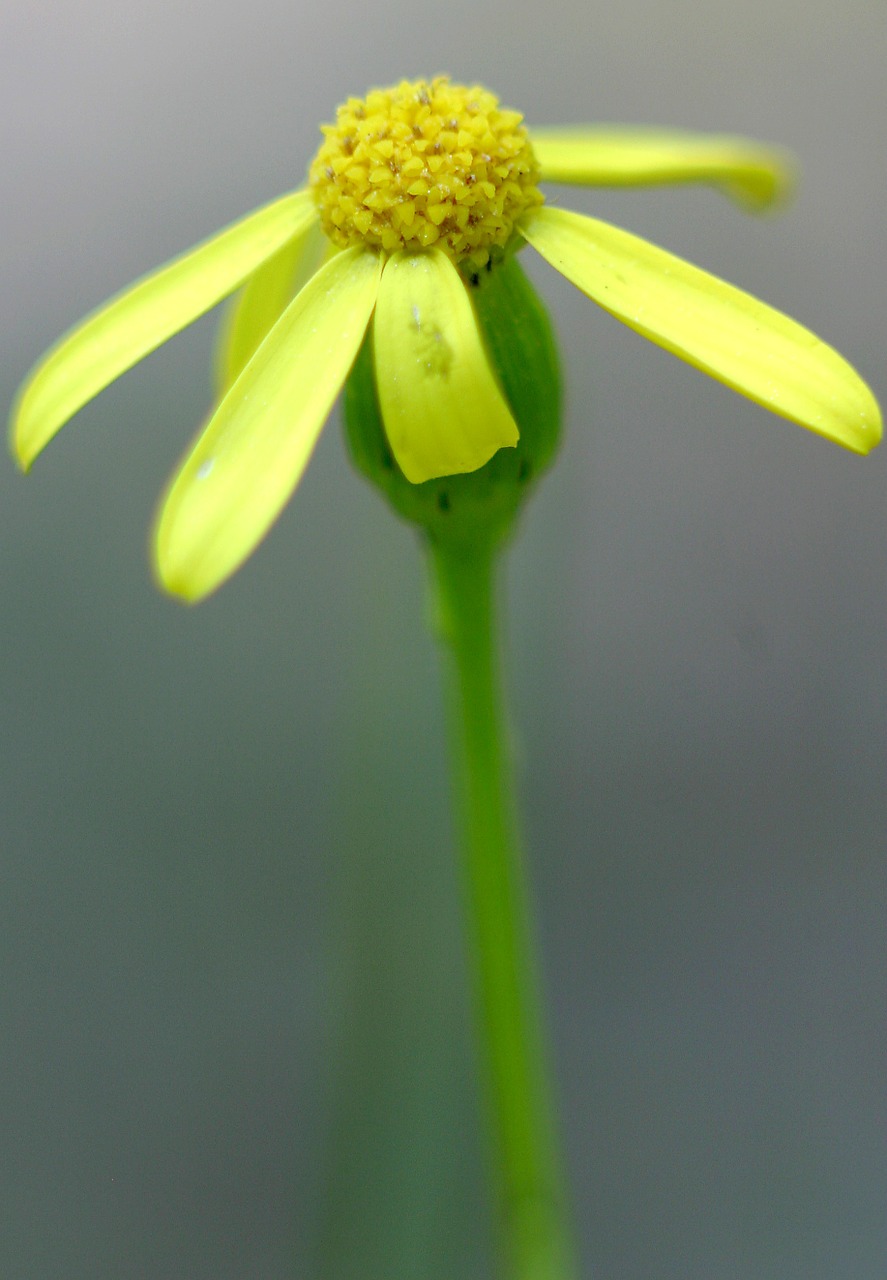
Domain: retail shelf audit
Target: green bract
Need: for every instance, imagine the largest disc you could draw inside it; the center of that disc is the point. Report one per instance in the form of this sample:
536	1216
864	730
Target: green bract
518	340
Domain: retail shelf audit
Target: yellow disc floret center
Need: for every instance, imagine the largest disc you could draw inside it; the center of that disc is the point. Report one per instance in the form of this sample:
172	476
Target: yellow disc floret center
425	163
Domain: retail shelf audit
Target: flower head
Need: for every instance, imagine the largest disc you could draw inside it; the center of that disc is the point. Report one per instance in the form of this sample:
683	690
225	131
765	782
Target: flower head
414	191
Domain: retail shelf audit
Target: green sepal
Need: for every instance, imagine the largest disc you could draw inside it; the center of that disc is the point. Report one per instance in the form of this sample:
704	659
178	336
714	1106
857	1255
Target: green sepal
522	349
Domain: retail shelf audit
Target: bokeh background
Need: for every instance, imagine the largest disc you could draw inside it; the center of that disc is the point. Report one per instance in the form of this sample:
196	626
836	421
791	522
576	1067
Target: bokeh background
236	1039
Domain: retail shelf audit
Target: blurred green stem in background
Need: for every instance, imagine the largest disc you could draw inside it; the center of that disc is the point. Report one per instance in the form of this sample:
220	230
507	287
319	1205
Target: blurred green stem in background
529	1183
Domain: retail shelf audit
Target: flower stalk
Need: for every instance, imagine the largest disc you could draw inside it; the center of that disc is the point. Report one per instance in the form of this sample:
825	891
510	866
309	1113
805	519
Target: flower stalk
530	1187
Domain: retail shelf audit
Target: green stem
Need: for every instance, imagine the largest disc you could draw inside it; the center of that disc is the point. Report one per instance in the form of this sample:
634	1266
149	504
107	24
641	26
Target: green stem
530	1187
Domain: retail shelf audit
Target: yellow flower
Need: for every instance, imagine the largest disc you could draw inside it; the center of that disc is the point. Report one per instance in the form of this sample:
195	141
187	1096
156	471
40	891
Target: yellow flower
414	189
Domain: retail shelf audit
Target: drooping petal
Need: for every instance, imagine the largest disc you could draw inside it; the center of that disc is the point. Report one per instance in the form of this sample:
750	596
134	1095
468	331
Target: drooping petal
442	408
246	463
262	301
127	328
724	332
750	173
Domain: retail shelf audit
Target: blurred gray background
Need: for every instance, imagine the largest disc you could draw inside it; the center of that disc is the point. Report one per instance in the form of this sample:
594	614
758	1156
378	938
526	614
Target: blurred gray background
236	1040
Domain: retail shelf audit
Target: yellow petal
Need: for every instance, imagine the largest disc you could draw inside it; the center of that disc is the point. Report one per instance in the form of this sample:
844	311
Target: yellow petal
712	325
244	466
131	325
262	301
752	174
441	406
